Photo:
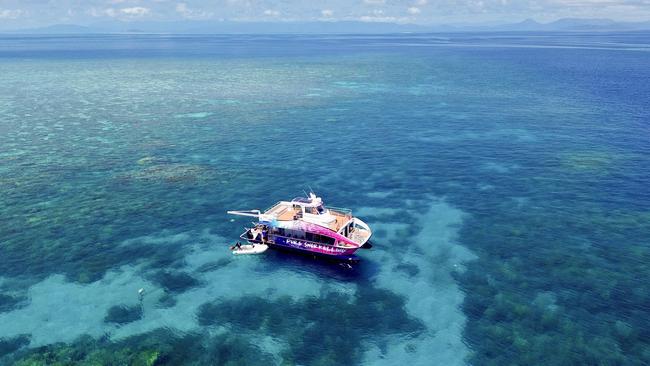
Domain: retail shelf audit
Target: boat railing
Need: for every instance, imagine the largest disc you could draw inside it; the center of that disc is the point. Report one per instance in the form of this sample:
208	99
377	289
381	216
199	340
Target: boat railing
344	211
272	206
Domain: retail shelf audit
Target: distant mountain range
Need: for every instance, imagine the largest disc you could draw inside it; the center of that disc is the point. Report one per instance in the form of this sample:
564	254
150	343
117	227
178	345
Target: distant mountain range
331	27
573	24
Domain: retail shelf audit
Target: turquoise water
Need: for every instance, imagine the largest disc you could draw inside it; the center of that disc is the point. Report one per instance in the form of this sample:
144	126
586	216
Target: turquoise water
505	177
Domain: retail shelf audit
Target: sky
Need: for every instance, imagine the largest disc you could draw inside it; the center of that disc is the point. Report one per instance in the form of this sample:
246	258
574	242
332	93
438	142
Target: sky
31	13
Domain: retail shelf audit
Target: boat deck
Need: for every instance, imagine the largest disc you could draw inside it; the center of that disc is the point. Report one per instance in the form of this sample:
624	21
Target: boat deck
288	213
341	219
360	236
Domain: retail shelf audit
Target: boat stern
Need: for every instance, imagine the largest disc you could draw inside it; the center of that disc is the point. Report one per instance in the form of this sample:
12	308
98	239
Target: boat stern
361	232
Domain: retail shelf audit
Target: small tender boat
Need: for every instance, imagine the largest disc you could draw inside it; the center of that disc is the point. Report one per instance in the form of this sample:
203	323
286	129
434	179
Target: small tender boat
304	224
250	249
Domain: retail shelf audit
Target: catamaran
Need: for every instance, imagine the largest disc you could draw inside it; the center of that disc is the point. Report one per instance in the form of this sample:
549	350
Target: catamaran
306	225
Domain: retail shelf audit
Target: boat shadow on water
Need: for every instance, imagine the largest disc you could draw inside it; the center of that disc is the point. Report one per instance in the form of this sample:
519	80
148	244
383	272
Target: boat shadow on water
322	266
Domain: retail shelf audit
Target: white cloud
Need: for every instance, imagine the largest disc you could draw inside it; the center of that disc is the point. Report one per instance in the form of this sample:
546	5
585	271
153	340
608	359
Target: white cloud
271	13
326	13
182	8
110	12
11	13
379	15
374	2
368	18
135	11
187	13
413	10
93	12
421	2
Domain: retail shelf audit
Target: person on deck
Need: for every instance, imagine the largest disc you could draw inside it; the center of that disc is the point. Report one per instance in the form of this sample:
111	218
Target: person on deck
264	234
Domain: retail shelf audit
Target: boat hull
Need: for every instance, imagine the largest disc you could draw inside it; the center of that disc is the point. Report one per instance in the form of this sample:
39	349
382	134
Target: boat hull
313	248
308	248
315	255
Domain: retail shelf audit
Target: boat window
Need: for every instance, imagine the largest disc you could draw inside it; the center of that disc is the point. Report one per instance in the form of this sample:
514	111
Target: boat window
298	234
309	236
324	239
320	209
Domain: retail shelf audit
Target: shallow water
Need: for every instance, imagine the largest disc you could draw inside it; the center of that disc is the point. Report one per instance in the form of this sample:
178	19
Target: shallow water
505	177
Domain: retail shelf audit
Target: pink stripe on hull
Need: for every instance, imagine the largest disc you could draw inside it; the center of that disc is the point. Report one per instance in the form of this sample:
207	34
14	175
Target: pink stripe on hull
316	229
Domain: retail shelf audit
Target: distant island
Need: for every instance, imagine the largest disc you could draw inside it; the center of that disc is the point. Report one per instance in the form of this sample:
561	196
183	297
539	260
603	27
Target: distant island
331	27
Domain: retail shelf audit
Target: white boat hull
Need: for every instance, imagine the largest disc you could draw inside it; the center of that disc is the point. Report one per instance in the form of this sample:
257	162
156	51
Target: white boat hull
250	249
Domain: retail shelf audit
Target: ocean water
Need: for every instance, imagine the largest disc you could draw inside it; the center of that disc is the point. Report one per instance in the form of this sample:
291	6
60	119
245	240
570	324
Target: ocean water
505	177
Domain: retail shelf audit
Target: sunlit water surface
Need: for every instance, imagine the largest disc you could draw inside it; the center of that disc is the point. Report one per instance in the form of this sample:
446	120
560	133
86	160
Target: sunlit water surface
505	177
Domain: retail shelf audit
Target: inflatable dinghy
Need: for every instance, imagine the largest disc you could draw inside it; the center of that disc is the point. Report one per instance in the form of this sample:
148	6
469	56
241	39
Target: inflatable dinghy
251	249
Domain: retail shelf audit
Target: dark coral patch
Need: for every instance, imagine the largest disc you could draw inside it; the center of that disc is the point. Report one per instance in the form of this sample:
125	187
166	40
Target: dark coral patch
9	345
8	303
157	348
213	266
122	314
324	330
167	300
409	268
175	282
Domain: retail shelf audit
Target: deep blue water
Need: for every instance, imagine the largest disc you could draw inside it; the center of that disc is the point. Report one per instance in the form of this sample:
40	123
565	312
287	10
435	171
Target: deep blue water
505	176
